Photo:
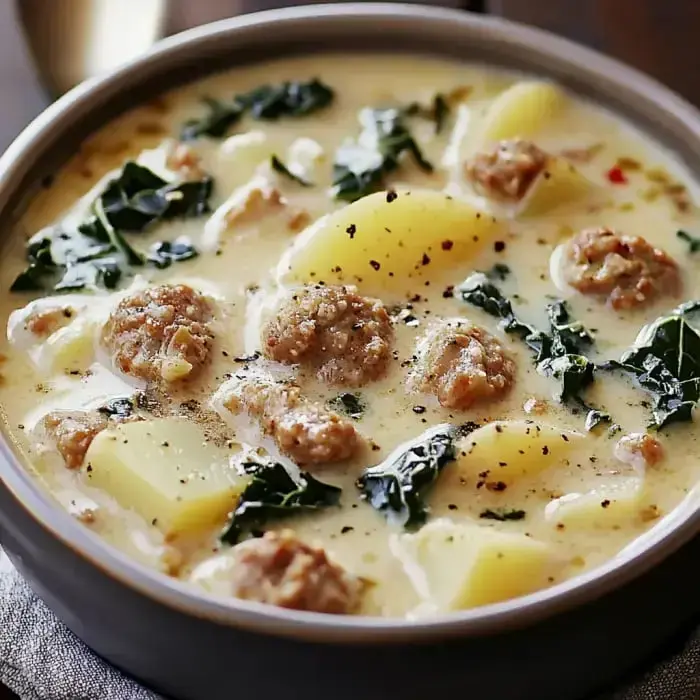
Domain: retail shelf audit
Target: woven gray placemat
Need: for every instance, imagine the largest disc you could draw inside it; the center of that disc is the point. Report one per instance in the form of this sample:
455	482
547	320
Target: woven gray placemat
40	659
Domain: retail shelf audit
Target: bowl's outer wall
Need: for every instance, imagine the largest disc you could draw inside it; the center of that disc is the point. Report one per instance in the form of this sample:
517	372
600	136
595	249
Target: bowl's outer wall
188	657
563	658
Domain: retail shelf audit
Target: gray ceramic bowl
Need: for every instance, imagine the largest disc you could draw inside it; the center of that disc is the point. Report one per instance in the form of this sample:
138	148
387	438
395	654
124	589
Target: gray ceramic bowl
557	643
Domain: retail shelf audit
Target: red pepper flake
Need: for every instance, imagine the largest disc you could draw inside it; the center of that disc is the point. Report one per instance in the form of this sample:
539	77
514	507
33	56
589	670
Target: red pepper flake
617	176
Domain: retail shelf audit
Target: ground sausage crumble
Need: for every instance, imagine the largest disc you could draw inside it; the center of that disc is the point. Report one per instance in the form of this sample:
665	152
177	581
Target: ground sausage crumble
507	172
161	333
303	430
462	364
626	270
279	569
639	450
345	337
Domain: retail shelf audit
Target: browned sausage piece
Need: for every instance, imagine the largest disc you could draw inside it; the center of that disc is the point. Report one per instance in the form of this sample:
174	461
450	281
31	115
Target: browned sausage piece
279	569
161	333
345	337
506	172
462	364
73	431
44	323
626	270
639	450
303	430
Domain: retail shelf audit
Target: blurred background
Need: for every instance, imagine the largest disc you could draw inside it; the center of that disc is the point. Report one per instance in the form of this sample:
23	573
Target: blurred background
48	46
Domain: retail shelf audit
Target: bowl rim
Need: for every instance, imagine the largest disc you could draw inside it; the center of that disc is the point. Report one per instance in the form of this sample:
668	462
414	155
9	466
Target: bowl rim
661	541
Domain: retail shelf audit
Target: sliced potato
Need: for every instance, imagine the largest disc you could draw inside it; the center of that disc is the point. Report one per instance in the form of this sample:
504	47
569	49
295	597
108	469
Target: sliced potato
167	472
521	111
381	241
558	185
618	500
70	347
507	450
462	565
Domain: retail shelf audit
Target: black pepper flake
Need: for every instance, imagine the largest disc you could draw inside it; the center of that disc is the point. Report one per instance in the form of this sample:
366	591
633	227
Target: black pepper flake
425	260
88	469
345	529
419	409
448	292
497	486
374	264
154	522
351	230
545	450
503	464
499	429
391	196
452	506
499	246
20	426
605	503
447	245
165	443
375	447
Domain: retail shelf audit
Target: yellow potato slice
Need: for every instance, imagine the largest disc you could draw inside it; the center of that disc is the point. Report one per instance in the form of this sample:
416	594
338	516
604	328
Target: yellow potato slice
616	501
558	185
168	472
507	450
521	111
69	348
462	565
383	242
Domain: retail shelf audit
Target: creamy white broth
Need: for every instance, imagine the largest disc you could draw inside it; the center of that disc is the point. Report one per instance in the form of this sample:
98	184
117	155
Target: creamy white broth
239	269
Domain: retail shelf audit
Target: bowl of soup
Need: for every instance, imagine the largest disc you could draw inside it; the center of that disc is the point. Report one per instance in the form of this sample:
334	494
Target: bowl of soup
320	354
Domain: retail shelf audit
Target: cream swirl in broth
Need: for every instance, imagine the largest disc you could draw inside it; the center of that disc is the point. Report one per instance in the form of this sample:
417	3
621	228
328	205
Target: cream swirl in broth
368	334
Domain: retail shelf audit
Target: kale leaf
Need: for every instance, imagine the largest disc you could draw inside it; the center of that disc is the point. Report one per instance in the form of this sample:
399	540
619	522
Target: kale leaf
502	514
290	99
438	111
274	493
282	169
121	407
221	116
267	102
164	253
558	354
692	241
666	364
360	168
397	487
96	252
351	405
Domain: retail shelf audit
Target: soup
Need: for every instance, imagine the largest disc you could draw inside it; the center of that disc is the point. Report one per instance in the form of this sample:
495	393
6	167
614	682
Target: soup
401	345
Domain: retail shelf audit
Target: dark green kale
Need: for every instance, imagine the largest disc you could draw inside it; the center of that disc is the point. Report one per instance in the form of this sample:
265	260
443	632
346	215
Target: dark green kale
558	354
122	407
96	253
692	241
438	111
667	365
360	168
350	405
397	487
274	493
502	514
268	102
220	117
282	169
290	99
499	272
164	253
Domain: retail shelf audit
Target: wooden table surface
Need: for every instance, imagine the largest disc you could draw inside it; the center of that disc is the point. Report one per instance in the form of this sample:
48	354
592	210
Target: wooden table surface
658	36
